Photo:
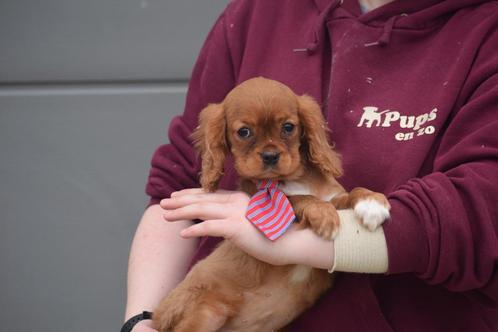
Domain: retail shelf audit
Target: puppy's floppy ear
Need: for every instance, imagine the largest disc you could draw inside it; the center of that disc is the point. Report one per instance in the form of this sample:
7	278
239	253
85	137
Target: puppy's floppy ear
210	140
315	142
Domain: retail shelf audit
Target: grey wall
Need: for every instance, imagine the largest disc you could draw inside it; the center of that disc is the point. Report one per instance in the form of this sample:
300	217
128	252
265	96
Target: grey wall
87	89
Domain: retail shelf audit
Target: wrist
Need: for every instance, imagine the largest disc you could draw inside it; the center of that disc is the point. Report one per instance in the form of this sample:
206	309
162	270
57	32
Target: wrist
132	322
358	249
312	250
144	323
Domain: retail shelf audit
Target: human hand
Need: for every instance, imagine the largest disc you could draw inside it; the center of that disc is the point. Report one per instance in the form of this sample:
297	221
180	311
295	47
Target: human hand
223	213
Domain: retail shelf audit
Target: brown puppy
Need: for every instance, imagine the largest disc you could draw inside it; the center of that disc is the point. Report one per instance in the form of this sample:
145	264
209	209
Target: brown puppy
272	134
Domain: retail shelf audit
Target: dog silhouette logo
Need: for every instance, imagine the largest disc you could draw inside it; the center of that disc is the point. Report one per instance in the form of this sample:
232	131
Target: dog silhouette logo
370	115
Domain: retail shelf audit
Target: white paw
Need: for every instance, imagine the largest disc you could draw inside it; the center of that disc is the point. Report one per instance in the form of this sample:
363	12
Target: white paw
372	213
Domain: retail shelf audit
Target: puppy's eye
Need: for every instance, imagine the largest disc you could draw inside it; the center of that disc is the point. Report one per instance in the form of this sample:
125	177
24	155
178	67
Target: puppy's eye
244	132
287	128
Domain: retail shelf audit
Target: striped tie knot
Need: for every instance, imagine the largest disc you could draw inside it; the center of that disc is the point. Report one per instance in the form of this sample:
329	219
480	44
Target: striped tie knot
270	210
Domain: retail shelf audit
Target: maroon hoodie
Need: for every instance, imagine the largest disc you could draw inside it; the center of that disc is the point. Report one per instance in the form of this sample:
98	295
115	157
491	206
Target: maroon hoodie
410	92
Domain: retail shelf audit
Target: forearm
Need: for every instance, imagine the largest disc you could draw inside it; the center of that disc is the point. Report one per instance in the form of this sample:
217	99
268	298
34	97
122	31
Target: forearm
158	261
354	249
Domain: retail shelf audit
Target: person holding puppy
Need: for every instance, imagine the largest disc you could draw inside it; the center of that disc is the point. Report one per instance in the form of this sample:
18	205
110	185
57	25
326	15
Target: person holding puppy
409	90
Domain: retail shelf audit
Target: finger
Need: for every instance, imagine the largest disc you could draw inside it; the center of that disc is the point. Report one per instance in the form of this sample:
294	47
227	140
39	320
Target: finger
178	201
201	210
195	191
187	192
219	228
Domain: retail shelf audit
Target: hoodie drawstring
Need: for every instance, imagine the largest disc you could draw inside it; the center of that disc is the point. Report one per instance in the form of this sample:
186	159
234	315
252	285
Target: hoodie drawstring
319	26
385	38
317	34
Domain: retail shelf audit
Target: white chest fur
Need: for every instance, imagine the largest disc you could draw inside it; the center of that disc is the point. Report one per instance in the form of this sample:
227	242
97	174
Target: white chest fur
292	188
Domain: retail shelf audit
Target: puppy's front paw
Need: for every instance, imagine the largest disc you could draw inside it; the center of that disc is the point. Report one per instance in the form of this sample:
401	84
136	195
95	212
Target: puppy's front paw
322	218
372	210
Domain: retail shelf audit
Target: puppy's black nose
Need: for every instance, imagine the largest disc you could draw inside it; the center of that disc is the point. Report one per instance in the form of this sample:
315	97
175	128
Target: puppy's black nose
270	158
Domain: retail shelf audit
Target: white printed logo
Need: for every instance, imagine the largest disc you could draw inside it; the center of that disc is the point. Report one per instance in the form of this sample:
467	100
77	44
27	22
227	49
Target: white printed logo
418	125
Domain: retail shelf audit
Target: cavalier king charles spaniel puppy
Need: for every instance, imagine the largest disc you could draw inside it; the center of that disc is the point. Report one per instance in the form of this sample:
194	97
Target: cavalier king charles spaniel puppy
272	134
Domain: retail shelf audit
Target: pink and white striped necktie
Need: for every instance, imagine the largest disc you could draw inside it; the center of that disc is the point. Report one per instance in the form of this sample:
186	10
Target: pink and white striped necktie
270	210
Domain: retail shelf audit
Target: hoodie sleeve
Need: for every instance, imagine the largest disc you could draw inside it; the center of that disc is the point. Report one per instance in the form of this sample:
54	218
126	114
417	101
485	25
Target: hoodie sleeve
176	165
444	226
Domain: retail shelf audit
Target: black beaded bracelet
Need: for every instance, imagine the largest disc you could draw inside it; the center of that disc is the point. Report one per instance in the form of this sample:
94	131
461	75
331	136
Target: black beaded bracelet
130	323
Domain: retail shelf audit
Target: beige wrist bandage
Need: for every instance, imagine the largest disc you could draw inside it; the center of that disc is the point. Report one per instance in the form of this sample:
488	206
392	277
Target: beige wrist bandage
356	249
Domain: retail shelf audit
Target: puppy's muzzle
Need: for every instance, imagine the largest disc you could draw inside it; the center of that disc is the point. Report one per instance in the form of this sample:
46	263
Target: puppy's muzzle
270	158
